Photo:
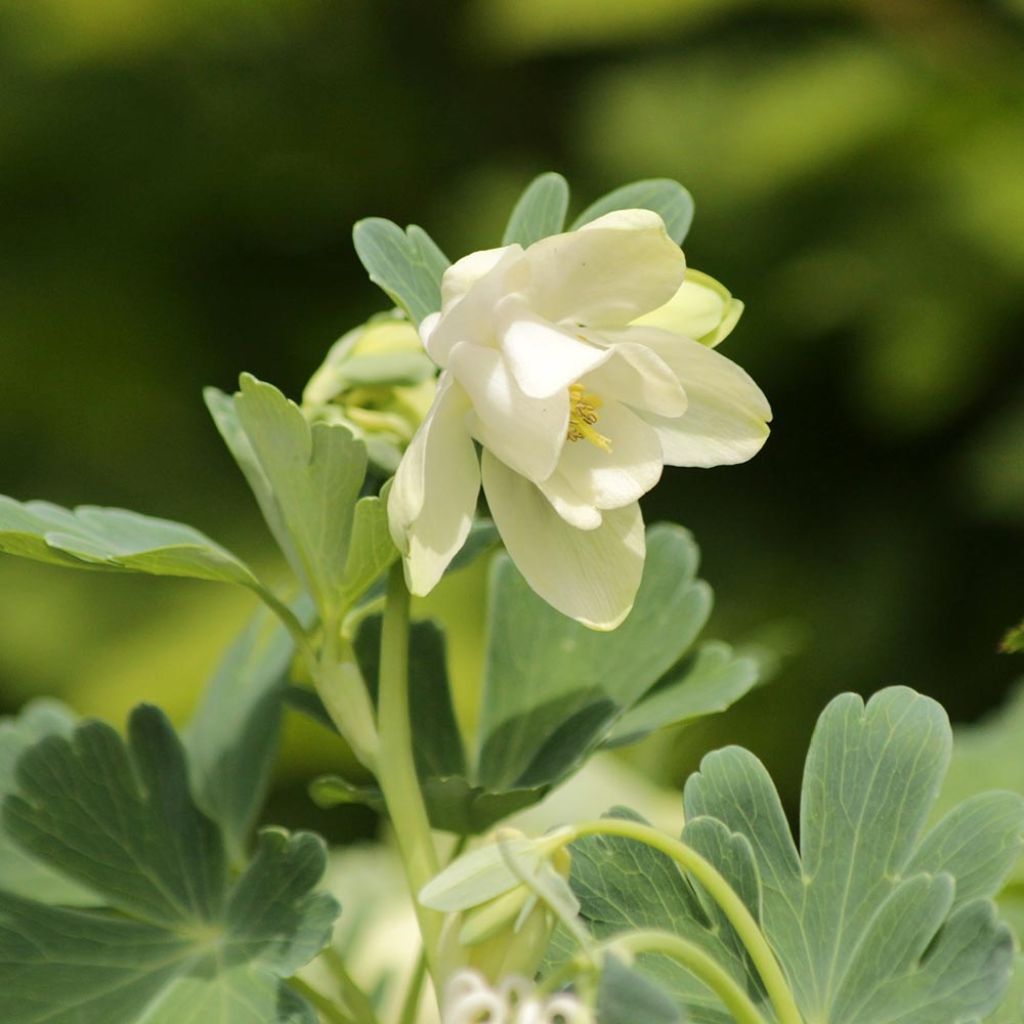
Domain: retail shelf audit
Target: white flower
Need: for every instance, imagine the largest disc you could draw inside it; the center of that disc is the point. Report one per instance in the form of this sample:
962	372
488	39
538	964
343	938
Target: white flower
470	1000
568	363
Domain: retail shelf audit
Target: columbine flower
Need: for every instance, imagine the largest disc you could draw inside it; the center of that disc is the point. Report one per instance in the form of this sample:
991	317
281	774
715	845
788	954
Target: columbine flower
570	365
470	1000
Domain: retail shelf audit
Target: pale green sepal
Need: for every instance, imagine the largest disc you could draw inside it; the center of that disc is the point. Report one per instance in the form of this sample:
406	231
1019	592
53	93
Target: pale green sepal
406	265
484	874
539	211
665	197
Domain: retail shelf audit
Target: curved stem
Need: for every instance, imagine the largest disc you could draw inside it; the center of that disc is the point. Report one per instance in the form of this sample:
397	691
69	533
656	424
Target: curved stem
733	907
396	767
698	963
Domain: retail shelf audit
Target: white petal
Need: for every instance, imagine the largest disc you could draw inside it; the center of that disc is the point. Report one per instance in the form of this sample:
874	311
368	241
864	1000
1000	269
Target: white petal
468	316
576	509
464	273
702	309
433	497
590	575
618	477
526	433
726	420
639	377
543	358
609	272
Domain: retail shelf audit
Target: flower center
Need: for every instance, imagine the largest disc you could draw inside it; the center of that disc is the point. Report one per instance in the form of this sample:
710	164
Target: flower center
582	417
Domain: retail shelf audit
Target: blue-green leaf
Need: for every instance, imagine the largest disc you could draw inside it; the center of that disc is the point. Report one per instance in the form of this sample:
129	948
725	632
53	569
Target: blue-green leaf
539	211
406	265
665	197
874	919
179	939
306	479
20	873
115	540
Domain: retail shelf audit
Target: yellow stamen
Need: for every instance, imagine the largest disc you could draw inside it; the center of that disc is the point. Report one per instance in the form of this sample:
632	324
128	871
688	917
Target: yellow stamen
582	417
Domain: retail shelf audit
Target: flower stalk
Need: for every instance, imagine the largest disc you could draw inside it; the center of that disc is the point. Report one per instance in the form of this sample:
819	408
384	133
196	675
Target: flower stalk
396	768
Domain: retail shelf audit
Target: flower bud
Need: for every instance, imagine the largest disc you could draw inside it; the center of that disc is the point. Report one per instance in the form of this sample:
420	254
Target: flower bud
377	381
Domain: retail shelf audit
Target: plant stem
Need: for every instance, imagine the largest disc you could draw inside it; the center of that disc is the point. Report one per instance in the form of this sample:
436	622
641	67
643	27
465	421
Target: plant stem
396	767
733	907
324	1006
341	687
356	1000
695	960
411	1002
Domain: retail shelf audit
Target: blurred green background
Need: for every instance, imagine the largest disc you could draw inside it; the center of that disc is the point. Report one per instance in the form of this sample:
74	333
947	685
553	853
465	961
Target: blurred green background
178	182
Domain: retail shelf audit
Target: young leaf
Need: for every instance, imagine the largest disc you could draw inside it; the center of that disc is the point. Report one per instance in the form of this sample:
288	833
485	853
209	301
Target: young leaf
179	940
666	198
114	540
306	479
873	918
371	551
20	873
539	211
406	265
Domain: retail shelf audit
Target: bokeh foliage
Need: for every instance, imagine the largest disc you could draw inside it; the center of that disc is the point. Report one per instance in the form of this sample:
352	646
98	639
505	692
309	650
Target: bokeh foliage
178	182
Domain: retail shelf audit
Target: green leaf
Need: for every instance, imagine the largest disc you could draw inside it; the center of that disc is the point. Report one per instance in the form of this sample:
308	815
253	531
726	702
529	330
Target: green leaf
386	369
20	873
553	689
705	683
306	479
665	197
371	550
406	265
625	996
115	540
179	940
539	211
233	737
623	885
874	918
437	743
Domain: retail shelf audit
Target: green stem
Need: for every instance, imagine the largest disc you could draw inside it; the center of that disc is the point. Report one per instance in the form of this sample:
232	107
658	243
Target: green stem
327	1009
733	907
341	687
396	768
411	1002
290	622
356	1000
695	960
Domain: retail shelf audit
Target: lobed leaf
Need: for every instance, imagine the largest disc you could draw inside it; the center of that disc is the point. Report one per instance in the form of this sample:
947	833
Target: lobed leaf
179	940
406	265
306	480
20	873
874	918
665	197
539	211
115	540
